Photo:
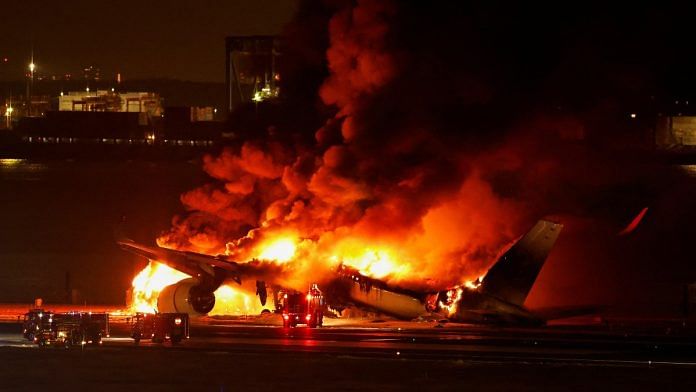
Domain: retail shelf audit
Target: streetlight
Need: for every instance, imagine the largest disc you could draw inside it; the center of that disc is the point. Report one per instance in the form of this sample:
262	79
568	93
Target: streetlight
8	115
30	87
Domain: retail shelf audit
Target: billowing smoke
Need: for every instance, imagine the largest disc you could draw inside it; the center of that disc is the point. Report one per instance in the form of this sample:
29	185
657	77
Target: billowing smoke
432	150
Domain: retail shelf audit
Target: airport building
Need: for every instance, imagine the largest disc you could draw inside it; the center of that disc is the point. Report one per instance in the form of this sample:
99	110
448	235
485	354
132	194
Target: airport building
110	101
675	132
251	70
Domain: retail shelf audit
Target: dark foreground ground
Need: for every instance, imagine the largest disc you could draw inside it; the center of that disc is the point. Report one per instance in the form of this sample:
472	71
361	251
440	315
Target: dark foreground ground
166	369
222	356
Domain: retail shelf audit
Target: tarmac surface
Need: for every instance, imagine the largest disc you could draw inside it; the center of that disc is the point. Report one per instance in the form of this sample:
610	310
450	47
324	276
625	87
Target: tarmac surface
230	355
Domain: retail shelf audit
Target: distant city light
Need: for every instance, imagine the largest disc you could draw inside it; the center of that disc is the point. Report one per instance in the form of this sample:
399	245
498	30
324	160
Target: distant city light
32	67
112	89
61	93
633	115
87	89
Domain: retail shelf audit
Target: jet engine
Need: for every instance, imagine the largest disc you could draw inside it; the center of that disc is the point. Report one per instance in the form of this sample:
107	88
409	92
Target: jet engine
187	296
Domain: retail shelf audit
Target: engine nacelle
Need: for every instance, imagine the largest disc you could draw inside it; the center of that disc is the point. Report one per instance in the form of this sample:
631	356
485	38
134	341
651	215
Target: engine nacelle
186	296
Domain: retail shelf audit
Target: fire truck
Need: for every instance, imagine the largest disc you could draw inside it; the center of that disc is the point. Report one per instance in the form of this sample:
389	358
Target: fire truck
35	322
66	329
299	308
160	327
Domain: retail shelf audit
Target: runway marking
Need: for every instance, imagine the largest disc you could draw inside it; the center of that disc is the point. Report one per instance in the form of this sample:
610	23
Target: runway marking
118	340
380	340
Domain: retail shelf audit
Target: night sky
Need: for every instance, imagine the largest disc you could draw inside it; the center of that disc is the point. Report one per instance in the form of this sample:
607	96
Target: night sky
140	39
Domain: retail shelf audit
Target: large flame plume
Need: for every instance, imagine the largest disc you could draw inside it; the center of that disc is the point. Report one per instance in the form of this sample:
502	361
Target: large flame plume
396	206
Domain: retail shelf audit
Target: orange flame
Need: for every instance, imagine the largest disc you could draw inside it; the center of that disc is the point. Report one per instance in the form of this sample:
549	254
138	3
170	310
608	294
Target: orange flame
381	261
231	300
149	282
375	263
453	297
156	276
279	250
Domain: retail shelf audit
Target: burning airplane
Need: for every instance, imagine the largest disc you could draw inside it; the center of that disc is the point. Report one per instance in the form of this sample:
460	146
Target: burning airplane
390	206
188	282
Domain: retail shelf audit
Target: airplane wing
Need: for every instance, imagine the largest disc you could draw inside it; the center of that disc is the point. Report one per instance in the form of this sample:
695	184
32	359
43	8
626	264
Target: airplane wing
208	270
193	264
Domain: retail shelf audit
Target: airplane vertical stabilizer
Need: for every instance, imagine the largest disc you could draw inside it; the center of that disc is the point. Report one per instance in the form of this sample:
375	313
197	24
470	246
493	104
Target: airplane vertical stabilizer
513	275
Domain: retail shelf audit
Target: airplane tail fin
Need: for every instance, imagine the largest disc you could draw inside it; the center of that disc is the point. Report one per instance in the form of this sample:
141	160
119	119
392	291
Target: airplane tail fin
513	275
120	232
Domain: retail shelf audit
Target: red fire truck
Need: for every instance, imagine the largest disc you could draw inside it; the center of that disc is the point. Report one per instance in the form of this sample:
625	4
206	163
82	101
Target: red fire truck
299	308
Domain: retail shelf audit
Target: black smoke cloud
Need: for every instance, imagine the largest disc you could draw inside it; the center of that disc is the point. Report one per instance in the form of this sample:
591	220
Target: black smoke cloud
450	128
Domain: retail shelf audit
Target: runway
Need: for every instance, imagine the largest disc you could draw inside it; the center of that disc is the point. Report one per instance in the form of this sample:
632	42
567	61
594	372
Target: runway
229	355
467	343
421	341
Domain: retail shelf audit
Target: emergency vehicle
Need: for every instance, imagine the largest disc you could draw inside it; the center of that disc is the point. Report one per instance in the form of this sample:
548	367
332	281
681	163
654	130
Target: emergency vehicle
65	329
35	321
299	308
160	327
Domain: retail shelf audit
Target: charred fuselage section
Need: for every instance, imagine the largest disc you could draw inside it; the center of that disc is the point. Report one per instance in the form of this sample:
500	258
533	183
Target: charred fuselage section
353	288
